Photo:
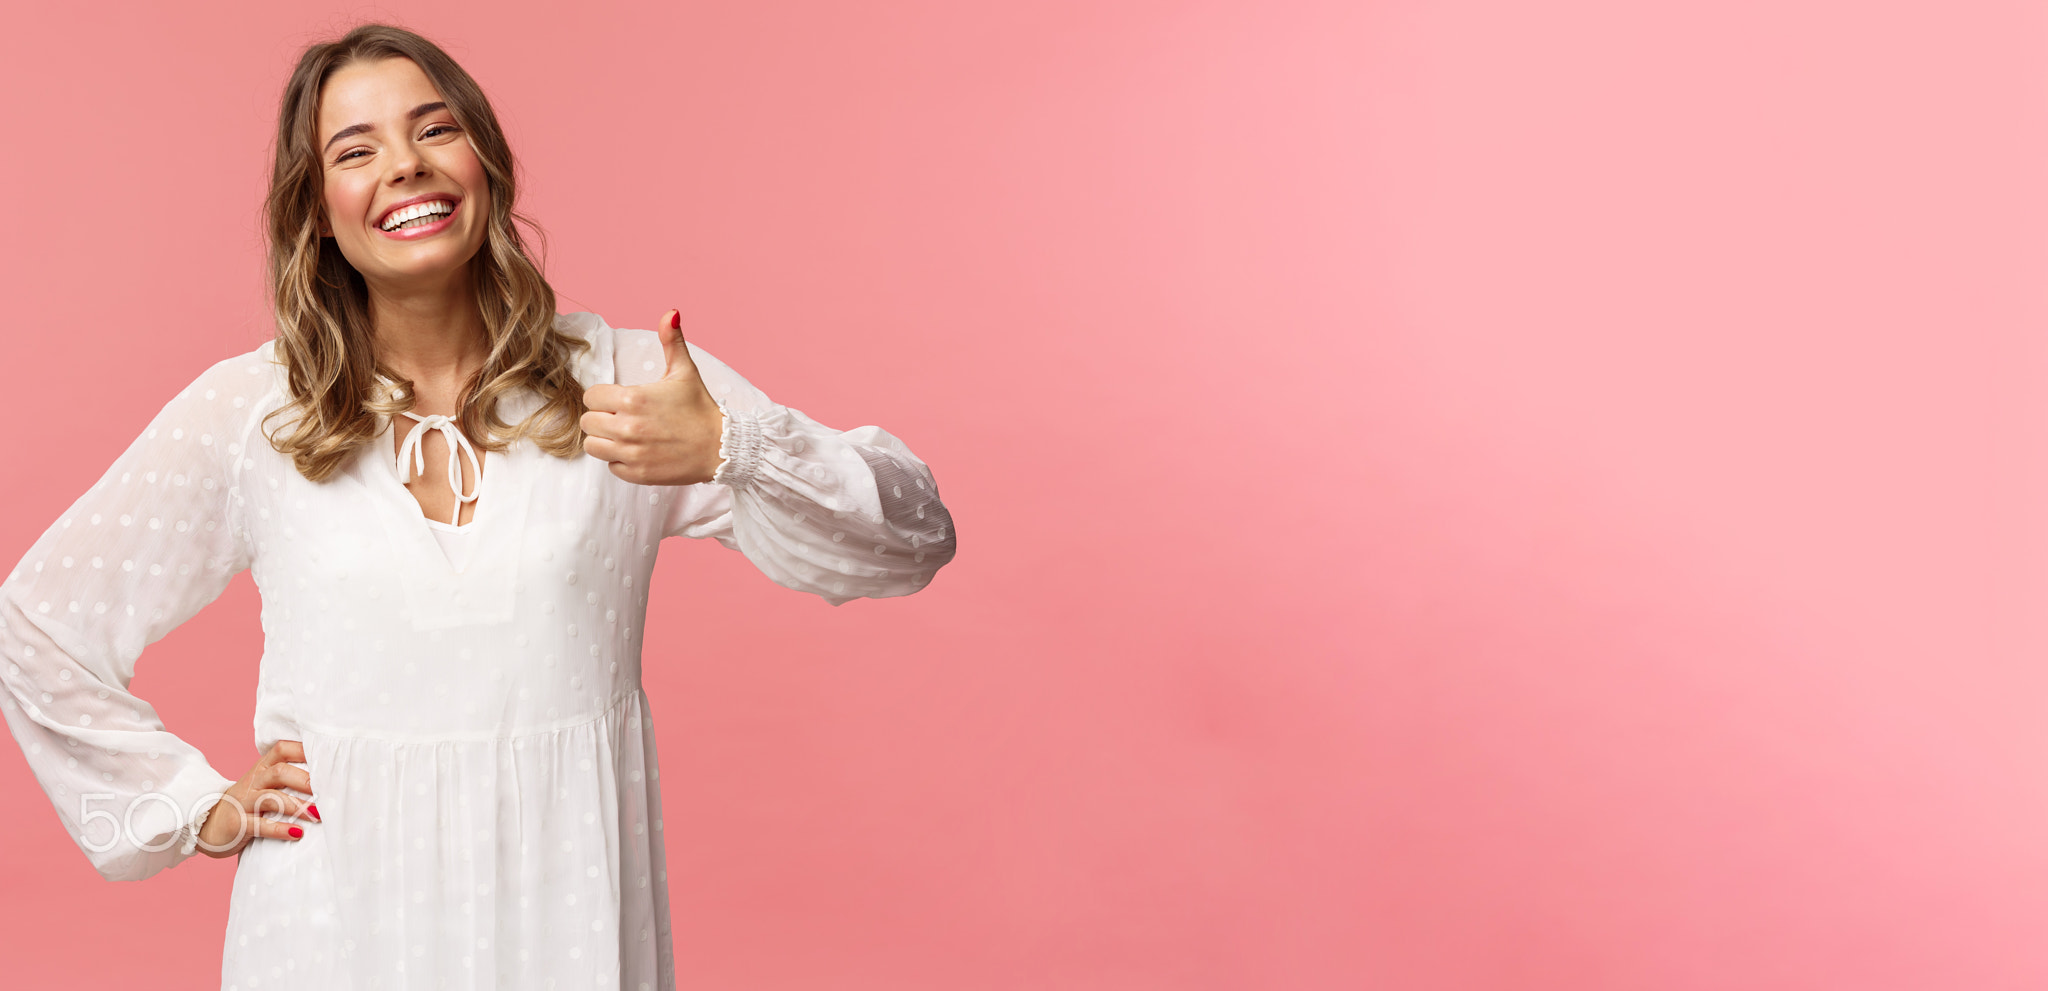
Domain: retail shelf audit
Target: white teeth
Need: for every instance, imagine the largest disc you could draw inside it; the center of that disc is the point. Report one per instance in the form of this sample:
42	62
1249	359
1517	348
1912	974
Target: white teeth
399	217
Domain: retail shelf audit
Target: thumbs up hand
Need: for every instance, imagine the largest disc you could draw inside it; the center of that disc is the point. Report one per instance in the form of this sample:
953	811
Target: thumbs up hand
661	433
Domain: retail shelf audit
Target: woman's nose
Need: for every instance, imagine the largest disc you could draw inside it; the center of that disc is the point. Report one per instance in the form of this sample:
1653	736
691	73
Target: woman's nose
408	166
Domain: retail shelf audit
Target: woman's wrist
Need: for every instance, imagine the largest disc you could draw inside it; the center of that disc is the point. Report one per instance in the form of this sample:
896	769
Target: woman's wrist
189	842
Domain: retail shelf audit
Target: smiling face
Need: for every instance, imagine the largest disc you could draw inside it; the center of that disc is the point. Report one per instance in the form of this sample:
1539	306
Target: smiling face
404	195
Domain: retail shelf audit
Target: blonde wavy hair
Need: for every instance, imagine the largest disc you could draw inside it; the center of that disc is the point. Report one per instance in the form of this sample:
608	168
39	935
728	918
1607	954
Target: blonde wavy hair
338	399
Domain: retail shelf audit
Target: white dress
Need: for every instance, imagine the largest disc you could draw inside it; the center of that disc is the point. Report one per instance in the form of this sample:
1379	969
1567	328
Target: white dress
481	751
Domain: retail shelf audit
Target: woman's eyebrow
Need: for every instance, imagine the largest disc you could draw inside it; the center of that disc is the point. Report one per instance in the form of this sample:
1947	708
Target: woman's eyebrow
417	112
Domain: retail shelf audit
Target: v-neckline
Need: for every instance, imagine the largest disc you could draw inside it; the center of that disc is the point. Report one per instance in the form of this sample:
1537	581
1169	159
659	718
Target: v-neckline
415	436
437	594
478	517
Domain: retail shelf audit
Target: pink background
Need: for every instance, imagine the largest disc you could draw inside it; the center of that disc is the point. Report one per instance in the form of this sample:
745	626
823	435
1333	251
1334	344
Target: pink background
1463	494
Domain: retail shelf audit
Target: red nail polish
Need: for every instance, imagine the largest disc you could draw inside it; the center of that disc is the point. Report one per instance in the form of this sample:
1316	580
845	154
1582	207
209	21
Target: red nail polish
675	320
296	832
314	809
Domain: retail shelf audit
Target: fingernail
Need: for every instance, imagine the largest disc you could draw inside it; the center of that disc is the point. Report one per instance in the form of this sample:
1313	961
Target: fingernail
296	832
314	809
675	319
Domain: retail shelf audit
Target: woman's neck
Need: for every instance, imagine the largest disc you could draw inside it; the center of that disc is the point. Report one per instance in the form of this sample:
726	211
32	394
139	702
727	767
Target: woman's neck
433	335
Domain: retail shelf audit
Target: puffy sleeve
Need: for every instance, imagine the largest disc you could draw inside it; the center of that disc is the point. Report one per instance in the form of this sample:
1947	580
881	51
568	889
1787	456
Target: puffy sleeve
841	514
145	548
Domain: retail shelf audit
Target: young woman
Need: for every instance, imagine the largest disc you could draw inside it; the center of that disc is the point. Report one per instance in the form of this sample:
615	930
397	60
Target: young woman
450	497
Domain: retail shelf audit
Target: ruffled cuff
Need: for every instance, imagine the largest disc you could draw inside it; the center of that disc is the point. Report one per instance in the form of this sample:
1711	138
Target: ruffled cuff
739	447
188	834
196	782
163	831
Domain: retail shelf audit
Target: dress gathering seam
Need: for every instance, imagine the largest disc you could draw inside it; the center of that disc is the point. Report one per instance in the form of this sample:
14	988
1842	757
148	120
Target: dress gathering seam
572	722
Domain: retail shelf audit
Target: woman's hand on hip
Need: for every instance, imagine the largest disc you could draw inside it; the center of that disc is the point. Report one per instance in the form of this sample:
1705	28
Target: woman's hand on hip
238	818
661	433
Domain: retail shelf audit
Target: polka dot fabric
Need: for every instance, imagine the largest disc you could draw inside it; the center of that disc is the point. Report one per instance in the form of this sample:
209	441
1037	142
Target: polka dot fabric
481	749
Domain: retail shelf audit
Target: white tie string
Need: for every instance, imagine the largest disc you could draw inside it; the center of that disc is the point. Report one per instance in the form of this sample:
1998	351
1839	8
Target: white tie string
456	443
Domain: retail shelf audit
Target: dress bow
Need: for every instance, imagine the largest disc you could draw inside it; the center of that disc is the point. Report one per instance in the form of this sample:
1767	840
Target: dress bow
458	445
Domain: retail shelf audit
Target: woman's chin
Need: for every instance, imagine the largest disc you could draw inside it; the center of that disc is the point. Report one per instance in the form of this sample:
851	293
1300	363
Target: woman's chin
426	263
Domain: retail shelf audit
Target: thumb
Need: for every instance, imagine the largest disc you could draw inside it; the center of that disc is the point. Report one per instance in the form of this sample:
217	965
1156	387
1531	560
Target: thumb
673	351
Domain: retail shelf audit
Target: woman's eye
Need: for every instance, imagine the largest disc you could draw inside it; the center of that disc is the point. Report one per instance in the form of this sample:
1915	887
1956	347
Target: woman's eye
428	133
